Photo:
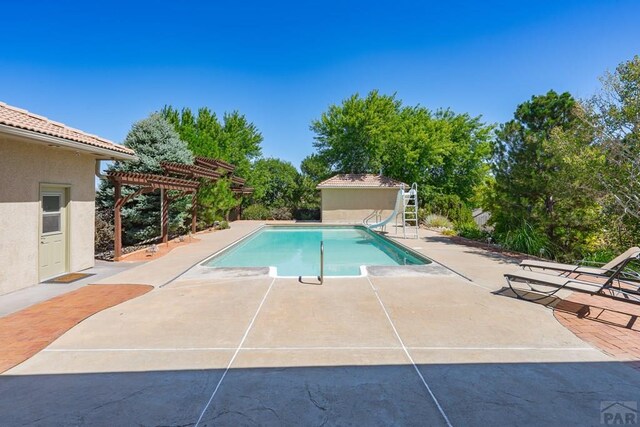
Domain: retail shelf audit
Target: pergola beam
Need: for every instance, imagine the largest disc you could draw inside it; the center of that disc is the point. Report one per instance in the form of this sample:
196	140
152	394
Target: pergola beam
190	171
148	183
157	182
242	190
215	164
191	178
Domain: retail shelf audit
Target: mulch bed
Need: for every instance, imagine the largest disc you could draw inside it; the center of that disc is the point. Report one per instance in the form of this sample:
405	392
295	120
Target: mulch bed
141	247
26	332
161	250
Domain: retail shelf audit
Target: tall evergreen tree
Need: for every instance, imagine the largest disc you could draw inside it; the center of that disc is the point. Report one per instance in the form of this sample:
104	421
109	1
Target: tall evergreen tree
154	140
543	165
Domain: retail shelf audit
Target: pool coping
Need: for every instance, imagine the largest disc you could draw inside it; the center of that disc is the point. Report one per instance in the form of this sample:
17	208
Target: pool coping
202	269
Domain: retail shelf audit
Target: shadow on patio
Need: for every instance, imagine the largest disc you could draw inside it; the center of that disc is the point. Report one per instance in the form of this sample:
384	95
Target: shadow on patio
470	394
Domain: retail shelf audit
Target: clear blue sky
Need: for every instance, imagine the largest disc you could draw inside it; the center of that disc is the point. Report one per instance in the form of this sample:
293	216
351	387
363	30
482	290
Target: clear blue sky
100	66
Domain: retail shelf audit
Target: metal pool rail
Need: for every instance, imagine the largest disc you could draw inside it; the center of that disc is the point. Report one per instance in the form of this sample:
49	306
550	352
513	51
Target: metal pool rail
321	277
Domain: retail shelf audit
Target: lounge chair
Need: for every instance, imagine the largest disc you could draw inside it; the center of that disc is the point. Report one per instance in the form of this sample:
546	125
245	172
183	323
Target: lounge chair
603	270
612	284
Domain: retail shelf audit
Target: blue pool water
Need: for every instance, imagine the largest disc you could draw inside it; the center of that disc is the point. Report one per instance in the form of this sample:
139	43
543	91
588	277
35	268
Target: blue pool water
295	251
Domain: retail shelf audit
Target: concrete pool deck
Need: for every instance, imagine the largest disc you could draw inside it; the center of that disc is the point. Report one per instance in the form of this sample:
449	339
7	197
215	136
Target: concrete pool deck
374	350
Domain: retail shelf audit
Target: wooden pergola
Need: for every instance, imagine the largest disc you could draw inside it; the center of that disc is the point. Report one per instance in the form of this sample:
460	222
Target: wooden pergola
189	181
215	164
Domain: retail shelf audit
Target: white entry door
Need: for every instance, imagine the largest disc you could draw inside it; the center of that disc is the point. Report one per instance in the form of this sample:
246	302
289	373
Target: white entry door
53	232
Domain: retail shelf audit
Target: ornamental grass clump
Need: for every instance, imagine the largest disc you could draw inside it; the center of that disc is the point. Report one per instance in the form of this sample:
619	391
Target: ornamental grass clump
437	222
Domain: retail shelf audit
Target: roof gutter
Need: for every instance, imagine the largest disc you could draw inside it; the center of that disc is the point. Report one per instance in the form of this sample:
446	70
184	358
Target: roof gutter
104	153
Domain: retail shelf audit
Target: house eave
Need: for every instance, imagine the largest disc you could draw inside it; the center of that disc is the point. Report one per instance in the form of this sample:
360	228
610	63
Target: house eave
99	152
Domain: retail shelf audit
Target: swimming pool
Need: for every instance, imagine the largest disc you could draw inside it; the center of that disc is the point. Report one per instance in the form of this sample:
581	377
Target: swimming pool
295	251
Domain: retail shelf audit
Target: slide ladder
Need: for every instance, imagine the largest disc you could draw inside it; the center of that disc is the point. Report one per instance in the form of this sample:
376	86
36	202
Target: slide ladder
410	221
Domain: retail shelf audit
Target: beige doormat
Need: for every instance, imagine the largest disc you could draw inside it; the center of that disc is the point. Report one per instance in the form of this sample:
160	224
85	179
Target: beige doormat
68	278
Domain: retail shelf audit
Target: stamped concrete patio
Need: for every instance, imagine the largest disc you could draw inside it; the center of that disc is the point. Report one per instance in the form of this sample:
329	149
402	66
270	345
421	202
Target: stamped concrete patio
377	350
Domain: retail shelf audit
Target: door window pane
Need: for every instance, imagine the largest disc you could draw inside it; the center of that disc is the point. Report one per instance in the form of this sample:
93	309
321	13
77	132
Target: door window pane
50	223
51	203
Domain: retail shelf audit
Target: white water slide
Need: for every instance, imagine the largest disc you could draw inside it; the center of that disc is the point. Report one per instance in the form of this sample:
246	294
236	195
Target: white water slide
407	205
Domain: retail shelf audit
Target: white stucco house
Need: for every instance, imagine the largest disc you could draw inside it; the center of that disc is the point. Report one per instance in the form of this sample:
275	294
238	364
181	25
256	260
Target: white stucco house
47	197
350	198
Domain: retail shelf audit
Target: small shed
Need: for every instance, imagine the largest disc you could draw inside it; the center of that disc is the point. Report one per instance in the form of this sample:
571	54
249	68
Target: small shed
350	198
47	196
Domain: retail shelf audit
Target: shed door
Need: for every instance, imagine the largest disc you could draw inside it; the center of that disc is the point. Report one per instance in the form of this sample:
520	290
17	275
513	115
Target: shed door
53	233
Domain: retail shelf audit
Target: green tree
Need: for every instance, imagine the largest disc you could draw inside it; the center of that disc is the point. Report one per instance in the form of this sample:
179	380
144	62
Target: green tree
275	183
615	119
234	140
544	165
240	142
316	168
154	140
350	137
444	152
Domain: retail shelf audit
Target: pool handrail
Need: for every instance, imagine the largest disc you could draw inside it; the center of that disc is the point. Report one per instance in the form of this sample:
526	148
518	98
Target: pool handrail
321	277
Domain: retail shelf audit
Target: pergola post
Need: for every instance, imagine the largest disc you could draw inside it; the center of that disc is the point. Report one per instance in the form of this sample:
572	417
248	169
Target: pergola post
165	216
204	169
194	211
117	222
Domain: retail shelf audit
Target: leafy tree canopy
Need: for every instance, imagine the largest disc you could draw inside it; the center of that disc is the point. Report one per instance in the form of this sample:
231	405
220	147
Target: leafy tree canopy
275	183
615	114
234	140
443	152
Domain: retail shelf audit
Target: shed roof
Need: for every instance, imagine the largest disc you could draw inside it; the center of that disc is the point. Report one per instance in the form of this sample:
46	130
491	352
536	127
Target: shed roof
18	118
360	180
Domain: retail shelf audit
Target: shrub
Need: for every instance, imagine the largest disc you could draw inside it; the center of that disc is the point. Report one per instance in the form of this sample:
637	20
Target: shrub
450	206
307	214
256	212
449	232
437	221
602	256
104	233
422	214
470	230
283	214
525	238
223	225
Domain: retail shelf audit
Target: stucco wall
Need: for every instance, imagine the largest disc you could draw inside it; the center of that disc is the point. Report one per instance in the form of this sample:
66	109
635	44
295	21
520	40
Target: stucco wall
23	167
352	205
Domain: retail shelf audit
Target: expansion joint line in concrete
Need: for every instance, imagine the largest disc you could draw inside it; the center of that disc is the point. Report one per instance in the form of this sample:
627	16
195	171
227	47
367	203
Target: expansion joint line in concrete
312	348
456	272
406	351
233	358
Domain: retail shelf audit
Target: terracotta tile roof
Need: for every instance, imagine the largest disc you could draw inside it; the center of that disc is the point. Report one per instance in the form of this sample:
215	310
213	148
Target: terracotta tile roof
23	119
360	181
